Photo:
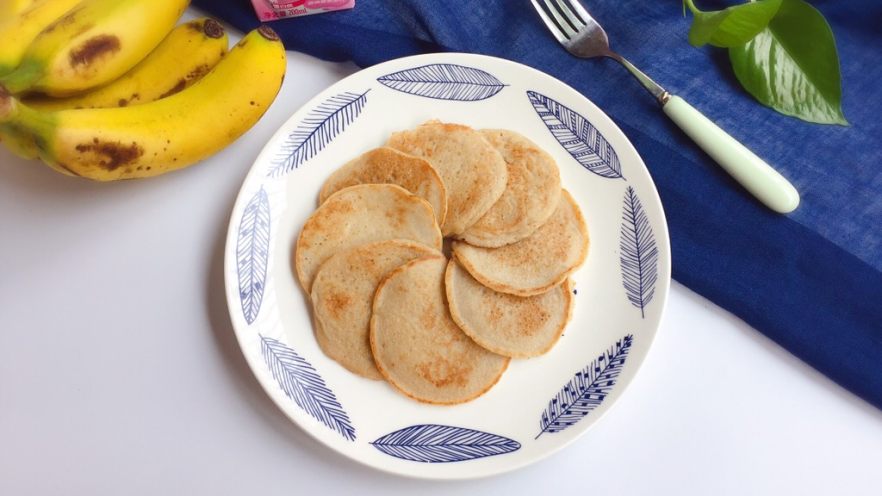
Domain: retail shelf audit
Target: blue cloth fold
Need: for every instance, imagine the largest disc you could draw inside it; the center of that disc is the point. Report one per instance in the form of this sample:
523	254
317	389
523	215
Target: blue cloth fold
811	281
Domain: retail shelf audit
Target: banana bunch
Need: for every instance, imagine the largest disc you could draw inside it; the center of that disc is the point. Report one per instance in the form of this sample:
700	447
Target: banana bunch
111	89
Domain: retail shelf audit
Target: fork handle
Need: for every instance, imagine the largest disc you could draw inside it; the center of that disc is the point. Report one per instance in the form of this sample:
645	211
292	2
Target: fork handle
757	177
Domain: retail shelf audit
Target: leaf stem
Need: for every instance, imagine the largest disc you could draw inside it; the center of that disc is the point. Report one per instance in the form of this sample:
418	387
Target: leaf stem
692	7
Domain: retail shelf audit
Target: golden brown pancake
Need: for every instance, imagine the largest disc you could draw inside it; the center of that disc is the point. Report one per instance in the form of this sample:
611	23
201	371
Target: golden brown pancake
513	326
418	348
389	166
342	295
473	172
530	196
362	214
537	263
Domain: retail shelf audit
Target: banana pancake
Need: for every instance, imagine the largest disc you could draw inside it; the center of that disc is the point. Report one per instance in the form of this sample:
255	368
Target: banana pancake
342	295
362	214
513	326
536	263
389	166
530	196
473	172
418	348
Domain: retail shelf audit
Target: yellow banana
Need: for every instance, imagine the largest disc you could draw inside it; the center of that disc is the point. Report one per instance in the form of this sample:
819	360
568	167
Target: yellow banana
184	56
94	43
164	135
18	29
9	8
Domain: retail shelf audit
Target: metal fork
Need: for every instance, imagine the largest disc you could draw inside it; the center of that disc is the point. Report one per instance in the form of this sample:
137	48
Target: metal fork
583	37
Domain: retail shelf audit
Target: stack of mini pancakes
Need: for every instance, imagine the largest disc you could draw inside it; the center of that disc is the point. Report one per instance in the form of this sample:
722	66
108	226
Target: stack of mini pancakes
387	302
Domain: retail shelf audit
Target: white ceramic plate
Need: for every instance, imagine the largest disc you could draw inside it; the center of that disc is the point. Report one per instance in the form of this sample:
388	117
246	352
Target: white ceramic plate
540	405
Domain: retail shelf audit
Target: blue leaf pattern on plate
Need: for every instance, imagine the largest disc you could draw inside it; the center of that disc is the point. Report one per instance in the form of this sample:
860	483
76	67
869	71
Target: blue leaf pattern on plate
319	128
444	82
252	254
638	254
586	390
300	382
578	136
431	443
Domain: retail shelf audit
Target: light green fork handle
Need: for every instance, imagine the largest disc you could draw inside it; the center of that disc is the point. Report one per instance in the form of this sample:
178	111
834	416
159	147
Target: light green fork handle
757	177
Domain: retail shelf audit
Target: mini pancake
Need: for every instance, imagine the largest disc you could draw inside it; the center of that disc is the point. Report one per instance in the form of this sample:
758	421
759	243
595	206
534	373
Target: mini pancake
513	326
473	172
537	263
418	348
389	166
530	196
362	214
342	295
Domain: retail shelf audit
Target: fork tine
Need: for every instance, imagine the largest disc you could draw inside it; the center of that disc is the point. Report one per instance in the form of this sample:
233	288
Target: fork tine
558	34
573	18
581	11
562	24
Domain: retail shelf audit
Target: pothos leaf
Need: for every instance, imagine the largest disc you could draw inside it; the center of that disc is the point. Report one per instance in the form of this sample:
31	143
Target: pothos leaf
792	65
733	26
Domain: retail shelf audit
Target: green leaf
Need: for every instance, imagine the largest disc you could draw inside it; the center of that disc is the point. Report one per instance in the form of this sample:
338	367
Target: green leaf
792	65
733	26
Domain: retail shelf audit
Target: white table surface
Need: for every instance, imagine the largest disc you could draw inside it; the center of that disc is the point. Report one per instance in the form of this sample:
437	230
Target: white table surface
120	373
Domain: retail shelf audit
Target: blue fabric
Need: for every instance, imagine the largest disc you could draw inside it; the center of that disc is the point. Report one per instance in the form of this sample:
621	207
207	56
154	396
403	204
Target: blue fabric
811	281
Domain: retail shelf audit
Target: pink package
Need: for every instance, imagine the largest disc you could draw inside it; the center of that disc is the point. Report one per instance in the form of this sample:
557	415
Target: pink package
270	10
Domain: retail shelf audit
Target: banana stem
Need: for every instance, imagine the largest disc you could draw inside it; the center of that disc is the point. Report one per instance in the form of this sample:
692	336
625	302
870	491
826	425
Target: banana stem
18	118
8	105
21	78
